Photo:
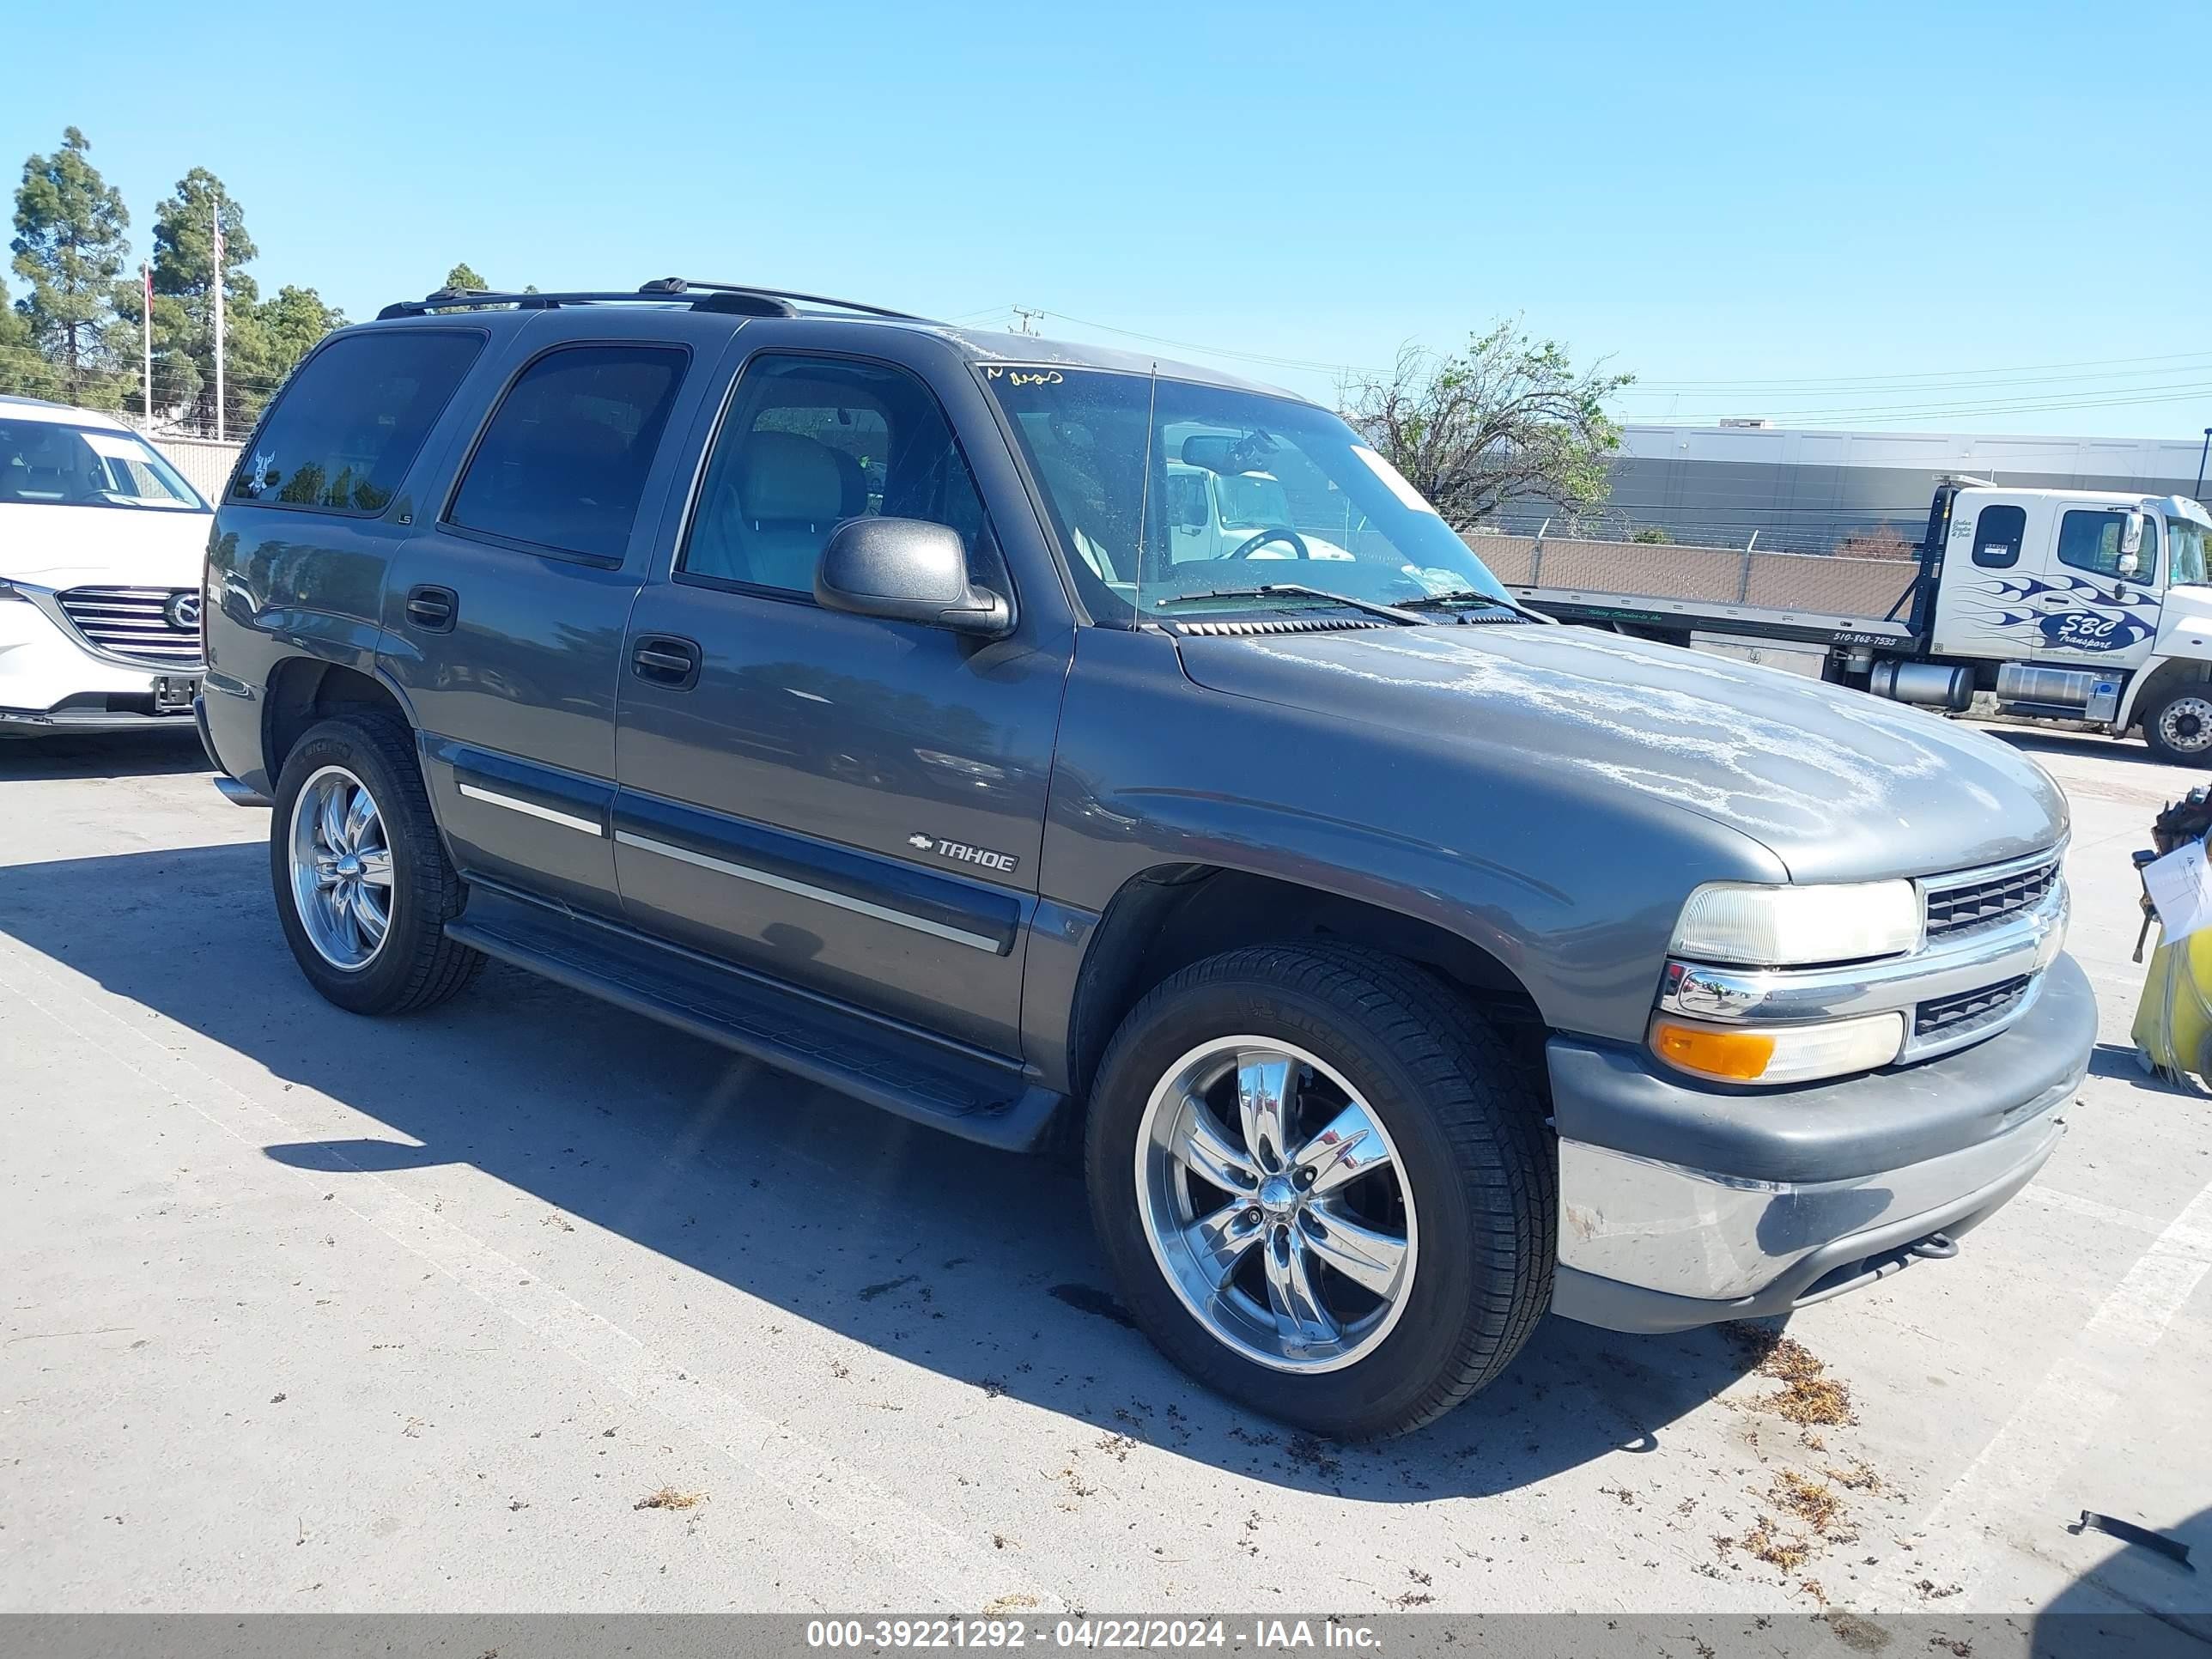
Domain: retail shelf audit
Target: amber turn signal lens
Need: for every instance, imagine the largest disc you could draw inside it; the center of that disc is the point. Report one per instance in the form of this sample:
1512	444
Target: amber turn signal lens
1739	1056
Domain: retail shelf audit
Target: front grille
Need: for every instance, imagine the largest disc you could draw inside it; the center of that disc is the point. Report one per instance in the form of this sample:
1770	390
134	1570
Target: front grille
133	623
1970	904
1952	1015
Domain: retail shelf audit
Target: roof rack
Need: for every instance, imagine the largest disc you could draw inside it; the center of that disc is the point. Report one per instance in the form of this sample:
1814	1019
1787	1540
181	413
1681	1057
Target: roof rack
730	297
677	285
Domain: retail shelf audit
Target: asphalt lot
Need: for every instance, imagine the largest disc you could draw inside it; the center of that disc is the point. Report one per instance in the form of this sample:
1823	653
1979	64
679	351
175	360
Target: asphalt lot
307	1312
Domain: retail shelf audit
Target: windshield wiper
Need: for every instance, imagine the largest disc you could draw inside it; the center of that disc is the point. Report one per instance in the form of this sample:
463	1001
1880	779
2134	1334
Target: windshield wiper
1288	590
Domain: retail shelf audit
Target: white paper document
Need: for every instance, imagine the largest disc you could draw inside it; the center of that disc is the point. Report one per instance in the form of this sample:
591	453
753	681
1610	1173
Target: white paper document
2180	886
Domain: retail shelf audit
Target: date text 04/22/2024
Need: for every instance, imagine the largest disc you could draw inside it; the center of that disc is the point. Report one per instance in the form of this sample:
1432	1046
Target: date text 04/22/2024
1137	1634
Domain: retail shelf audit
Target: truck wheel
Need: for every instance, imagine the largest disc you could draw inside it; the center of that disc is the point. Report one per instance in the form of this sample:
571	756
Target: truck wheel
363	885
2179	730
1323	1187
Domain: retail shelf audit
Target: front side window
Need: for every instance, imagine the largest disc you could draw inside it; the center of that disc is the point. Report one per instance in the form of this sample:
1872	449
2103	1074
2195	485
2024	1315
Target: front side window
2090	541
47	463
809	441
1162	490
2185	556
1997	534
349	424
563	464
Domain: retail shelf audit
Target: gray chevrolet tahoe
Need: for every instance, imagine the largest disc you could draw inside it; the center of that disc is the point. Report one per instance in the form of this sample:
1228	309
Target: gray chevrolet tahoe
1054	746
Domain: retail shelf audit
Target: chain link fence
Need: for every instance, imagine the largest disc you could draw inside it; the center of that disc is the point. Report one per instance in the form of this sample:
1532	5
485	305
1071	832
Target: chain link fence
205	464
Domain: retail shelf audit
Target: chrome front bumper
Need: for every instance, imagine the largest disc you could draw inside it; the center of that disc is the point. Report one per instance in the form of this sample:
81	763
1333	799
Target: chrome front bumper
1680	1206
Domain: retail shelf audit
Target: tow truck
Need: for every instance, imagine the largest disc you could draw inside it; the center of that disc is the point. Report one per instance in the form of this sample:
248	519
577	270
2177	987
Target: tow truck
2081	606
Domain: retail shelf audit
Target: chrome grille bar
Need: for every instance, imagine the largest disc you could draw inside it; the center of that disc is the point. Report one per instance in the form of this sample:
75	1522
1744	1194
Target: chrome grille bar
131	624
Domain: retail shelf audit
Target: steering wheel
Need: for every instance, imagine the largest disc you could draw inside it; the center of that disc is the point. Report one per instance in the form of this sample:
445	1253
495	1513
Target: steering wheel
1295	542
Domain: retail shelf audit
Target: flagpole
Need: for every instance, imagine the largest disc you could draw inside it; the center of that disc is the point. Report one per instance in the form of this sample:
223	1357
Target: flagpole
218	320
146	338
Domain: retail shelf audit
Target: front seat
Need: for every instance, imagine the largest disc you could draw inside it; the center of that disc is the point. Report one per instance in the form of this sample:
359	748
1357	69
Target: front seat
790	492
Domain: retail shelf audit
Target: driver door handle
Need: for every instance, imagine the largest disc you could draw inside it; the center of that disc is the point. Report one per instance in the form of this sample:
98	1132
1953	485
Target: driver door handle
433	609
666	659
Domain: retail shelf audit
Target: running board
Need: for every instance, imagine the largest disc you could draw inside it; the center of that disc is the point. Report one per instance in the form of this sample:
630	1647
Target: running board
908	1073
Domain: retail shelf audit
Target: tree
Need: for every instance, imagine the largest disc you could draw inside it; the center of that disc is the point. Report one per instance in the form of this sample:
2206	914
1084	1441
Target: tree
463	277
22	370
1654	534
184	306
1510	418
1882	541
69	247
280	332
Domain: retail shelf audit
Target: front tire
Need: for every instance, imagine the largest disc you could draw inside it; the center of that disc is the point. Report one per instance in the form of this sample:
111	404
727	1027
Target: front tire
362	884
1323	1187
2179	729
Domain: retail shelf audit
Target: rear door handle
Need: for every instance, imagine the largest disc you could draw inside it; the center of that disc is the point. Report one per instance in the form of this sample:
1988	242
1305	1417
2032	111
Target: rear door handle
667	660
433	609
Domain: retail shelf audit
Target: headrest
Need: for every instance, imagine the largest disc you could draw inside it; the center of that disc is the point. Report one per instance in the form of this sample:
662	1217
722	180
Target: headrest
783	475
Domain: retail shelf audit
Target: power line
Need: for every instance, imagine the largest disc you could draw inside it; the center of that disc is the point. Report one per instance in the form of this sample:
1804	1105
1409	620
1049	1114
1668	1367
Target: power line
1872	381
1214	351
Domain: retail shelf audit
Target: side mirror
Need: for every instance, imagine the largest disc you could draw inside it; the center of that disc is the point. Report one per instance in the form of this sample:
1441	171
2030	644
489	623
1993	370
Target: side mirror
907	570
2131	535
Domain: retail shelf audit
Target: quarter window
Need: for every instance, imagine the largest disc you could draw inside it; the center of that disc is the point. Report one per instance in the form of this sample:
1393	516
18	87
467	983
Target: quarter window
809	441
1997	534
562	463
347	427
2091	541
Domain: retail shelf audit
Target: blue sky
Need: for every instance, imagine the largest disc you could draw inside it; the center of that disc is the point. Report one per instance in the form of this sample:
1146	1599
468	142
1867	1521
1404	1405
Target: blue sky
1880	216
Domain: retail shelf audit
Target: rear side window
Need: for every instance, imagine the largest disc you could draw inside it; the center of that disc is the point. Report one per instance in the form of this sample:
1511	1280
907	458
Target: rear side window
349	426
563	464
1997	532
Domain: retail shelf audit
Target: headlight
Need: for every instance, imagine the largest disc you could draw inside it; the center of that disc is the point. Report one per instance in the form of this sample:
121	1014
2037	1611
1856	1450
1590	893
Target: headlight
8	591
1778	1054
1792	927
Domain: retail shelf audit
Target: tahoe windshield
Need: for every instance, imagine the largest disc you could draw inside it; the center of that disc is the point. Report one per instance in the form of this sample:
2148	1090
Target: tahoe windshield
1302	503
46	464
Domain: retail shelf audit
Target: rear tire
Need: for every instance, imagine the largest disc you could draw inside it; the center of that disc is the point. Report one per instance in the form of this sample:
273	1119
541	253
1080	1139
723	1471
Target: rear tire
376	858
2179	729
1447	1234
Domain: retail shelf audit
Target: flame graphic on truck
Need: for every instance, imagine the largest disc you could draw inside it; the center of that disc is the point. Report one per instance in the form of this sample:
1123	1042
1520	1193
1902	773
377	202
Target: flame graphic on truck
2071	614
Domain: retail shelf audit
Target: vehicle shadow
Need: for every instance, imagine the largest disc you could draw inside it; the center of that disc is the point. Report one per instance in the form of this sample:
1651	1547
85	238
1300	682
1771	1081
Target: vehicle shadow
975	1263
134	754
2128	752
2135	1602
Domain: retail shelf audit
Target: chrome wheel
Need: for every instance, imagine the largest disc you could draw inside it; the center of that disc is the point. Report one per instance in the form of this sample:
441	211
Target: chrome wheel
1276	1204
2185	724
341	867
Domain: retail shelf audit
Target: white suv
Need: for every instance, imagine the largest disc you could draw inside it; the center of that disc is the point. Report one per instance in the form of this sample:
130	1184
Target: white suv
101	550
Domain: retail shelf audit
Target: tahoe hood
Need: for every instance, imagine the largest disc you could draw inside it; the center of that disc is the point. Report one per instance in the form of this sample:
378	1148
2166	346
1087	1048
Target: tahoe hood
1839	784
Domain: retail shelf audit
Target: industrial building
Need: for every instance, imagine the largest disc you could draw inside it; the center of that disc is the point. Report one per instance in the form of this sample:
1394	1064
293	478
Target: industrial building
1804	490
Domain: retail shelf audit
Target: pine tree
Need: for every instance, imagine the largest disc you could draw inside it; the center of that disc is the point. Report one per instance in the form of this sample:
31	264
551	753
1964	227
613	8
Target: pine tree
69	247
184	306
